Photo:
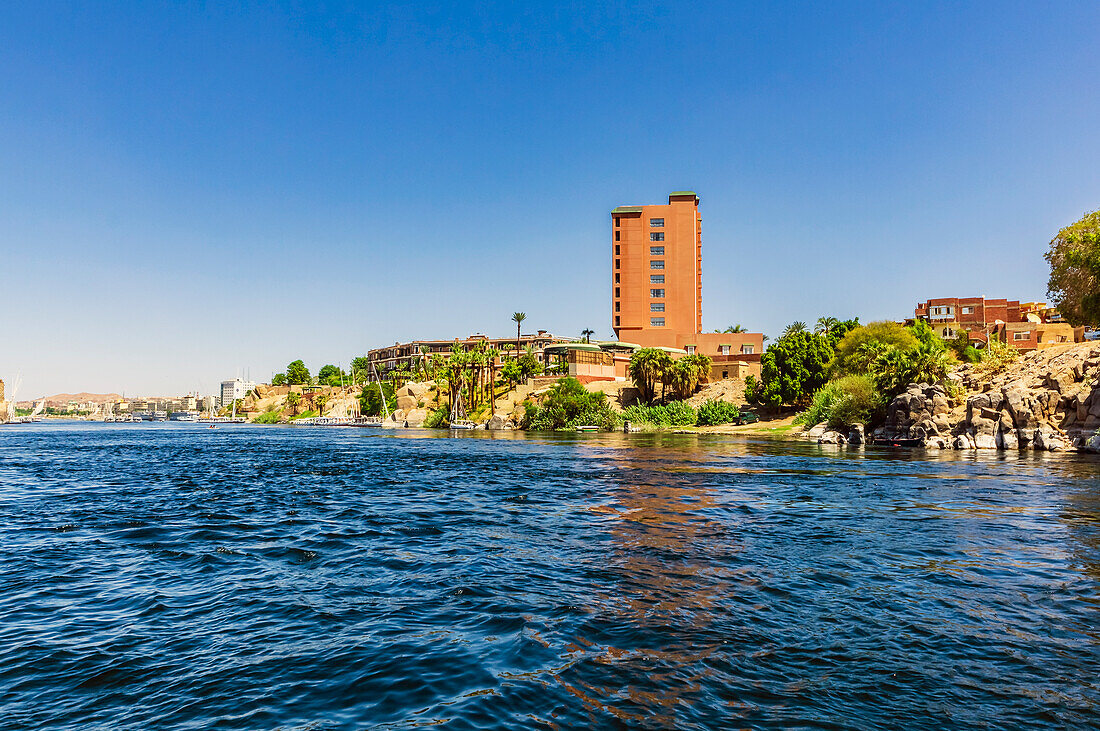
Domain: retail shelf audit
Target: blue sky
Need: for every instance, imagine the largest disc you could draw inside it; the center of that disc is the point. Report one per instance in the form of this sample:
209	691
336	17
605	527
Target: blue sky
190	190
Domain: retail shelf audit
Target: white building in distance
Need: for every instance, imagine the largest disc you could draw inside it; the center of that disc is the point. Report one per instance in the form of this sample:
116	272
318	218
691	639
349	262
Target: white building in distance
235	389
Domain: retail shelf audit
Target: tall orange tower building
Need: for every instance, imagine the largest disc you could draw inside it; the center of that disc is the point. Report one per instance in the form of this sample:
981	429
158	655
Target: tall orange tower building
657	281
657	273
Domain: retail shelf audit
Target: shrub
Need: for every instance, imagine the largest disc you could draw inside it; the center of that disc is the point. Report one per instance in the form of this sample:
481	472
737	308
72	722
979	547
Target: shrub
268	417
675	413
717	412
568	405
997	356
970	354
842	403
437	419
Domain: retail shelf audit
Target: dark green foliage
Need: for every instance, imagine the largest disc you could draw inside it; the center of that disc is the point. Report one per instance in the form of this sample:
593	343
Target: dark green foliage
279	379
717	412
674	413
647	368
894	369
360	369
843	402
437	419
370	400
268	417
330	375
297	373
970	354
568	405
1074	283
792	369
859	346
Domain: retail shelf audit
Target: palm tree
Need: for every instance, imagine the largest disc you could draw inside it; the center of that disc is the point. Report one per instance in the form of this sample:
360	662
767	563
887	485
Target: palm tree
825	325
795	327
518	318
493	354
587	334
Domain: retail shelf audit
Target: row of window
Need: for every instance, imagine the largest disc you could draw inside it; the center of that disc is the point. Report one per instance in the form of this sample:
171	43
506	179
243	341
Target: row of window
941	310
653	264
653	222
653	250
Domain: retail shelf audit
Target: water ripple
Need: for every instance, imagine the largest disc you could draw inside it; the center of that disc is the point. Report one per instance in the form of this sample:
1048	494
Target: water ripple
167	576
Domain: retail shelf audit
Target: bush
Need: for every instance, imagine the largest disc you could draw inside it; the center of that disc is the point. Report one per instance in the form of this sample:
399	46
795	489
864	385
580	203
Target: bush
268	417
437	419
842	403
674	413
717	412
569	405
997	356
970	354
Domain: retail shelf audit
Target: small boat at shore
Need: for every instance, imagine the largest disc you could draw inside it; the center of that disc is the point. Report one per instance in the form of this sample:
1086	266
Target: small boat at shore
458	419
895	443
588	428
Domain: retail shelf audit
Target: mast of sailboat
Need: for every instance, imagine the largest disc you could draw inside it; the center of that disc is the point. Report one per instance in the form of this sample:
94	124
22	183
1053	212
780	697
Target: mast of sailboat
381	393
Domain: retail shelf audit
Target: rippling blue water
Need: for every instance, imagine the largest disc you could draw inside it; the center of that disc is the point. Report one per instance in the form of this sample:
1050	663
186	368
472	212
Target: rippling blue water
168	576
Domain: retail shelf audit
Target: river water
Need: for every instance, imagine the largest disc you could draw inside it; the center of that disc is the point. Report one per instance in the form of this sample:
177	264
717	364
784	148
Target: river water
171	576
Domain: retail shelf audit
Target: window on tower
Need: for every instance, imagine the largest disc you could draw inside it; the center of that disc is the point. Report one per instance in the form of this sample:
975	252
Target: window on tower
657	293
656	278
657	222
656	251
656	306
657	264
656	322
657	236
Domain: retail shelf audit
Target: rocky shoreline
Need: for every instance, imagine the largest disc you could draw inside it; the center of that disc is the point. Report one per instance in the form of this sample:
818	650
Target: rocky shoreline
1046	400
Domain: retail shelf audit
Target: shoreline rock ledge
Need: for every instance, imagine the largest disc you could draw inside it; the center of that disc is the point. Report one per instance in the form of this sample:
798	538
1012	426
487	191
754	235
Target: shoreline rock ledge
1047	400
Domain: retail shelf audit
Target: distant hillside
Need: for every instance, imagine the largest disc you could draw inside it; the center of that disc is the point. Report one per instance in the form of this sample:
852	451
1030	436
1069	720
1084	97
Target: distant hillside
83	396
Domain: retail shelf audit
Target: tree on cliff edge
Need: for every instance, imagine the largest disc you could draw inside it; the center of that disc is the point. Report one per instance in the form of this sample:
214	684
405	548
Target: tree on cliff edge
297	373
1074	258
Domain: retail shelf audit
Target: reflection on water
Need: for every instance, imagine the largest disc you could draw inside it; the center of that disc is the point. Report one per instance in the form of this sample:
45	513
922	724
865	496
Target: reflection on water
166	576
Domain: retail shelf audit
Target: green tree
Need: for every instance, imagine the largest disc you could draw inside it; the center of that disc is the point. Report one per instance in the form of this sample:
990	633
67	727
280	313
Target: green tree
925	335
795	327
370	399
279	379
791	370
732	329
360	369
1074	284
825	325
330	375
894	369
293	400
511	371
587	334
647	367
518	318
529	363
297	373
861	345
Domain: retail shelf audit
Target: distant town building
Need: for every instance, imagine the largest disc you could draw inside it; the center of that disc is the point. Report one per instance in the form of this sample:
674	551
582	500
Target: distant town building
657	301
411	354
1027	326
235	389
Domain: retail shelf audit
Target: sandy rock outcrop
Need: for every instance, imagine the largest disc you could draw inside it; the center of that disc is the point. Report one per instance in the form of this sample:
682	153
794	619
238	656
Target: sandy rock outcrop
1047	400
